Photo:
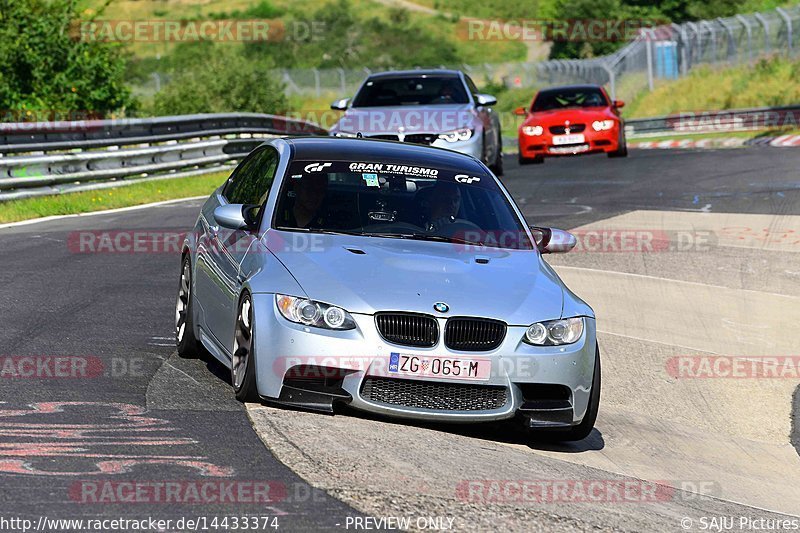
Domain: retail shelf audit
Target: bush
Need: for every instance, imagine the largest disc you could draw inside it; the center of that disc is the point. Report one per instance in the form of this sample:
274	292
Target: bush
46	70
215	78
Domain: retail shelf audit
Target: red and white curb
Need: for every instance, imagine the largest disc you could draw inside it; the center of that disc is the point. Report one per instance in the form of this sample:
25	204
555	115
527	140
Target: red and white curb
785	140
732	142
782	141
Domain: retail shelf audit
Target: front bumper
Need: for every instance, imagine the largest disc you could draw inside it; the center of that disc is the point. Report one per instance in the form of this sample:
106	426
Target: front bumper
521	370
594	142
472	146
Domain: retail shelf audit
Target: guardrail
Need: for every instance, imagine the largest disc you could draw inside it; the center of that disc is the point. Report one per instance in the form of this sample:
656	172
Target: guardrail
716	121
40	158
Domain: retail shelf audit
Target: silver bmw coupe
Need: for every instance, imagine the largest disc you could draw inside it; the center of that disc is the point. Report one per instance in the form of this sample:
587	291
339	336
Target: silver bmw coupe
394	278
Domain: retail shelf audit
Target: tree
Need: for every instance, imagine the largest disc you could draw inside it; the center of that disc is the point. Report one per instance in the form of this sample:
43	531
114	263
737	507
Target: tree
216	78
46	70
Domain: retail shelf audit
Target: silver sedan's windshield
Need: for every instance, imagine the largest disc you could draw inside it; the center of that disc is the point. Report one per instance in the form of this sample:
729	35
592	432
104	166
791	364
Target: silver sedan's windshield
412	90
397	201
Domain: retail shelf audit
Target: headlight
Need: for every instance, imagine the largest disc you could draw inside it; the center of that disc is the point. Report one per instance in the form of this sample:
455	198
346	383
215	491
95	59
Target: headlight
311	313
463	134
555	332
600	125
533	131
344	134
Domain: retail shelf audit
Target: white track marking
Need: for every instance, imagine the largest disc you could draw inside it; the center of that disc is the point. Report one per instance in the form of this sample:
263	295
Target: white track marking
104	212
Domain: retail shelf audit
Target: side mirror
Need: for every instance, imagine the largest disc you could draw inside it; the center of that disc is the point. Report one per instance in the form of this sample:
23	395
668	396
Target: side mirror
618	103
340	105
521	111
485	99
235	216
552	240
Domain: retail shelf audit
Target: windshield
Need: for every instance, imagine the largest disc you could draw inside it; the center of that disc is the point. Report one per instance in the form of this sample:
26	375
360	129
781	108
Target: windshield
378	199
562	98
412	90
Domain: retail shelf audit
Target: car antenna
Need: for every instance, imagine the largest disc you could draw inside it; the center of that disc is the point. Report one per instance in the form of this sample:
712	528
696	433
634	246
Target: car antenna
359	136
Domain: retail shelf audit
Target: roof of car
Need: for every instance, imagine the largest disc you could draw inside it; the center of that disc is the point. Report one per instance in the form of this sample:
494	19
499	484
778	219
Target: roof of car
348	149
415	72
570	87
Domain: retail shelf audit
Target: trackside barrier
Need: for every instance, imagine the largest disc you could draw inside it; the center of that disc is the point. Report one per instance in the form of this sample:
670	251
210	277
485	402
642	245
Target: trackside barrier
39	158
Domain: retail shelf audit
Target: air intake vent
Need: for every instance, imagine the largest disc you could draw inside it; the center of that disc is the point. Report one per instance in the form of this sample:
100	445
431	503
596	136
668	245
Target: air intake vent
432	395
408	329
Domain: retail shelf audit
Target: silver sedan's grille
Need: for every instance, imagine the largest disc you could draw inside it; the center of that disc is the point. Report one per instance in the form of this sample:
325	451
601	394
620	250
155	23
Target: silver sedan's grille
408	329
434	395
473	334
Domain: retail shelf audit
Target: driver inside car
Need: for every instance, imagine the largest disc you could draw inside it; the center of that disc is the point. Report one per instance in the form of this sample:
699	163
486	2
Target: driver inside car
309	196
443	206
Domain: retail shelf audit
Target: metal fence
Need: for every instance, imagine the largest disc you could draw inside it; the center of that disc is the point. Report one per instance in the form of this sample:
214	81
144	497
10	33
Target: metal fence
41	158
665	52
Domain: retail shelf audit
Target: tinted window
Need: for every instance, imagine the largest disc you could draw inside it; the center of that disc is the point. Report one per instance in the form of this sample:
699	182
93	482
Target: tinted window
471	85
410	201
564	98
251	182
412	90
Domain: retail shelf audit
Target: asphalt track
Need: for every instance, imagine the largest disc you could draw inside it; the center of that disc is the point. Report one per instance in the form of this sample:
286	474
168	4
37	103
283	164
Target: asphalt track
724	445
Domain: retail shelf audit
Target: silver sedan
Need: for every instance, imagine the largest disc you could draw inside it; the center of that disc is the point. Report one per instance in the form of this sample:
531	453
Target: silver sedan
440	108
397	279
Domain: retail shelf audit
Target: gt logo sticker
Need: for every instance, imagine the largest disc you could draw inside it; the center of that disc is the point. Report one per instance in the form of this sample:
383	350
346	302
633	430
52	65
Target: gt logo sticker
463	178
317	167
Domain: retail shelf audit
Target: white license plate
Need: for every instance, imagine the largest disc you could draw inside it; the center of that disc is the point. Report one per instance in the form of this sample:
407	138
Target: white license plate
575	138
575	149
401	364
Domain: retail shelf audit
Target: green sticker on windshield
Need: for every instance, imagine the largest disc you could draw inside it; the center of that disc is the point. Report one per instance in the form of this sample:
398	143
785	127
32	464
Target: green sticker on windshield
371	179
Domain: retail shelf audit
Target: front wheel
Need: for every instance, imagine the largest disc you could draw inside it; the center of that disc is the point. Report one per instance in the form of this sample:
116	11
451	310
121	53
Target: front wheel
537	160
622	148
497	166
188	345
243	372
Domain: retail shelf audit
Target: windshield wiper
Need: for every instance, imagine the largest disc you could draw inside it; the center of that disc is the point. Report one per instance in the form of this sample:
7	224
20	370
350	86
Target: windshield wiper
425	237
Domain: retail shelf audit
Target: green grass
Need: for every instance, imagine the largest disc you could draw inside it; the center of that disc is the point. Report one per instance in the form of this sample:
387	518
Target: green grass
771	81
125	196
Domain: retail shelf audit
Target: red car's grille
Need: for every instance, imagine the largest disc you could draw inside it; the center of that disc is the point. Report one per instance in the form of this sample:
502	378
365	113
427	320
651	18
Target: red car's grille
573	128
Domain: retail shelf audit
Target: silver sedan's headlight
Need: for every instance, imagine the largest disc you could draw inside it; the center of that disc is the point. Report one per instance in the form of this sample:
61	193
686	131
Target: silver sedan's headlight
463	134
554	332
311	313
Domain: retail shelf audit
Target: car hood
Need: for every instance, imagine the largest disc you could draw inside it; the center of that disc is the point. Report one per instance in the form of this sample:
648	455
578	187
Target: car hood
414	119
574	115
370	274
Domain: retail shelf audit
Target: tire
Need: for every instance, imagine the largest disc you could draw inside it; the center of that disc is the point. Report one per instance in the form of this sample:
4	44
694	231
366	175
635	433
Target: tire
622	149
188	345
243	368
538	160
584	429
497	166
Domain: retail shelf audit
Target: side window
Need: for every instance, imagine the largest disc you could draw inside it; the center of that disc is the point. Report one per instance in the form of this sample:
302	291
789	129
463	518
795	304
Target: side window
471	86
251	184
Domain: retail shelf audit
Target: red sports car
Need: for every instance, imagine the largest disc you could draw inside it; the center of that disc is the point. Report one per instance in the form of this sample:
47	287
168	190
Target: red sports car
577	119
